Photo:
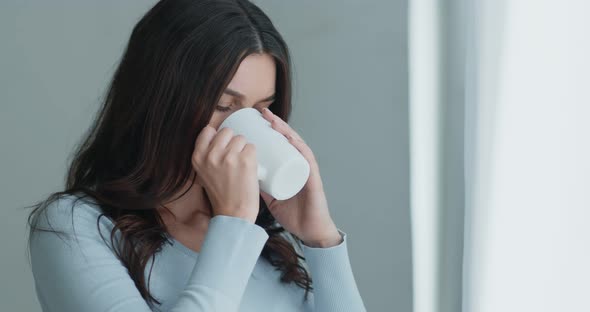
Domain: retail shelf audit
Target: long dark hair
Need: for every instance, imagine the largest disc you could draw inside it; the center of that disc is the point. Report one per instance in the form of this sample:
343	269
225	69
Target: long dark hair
180	57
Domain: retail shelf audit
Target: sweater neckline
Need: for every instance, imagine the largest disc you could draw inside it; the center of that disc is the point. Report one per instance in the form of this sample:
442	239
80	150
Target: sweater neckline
180	246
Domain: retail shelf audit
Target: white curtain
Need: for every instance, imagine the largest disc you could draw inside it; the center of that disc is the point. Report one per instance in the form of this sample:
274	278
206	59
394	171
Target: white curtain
518	73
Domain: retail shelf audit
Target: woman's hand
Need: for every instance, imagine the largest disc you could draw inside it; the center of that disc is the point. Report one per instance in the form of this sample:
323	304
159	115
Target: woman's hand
306	214
226	167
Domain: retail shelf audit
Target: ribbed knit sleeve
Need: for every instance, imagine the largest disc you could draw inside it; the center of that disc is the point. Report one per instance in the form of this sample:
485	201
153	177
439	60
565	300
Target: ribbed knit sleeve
335	289
77	271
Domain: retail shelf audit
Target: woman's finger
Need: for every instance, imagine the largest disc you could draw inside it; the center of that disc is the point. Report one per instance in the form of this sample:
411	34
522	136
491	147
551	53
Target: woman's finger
305	150
203	141
280	125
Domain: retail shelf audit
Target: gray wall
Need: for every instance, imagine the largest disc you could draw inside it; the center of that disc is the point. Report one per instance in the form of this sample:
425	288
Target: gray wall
350	106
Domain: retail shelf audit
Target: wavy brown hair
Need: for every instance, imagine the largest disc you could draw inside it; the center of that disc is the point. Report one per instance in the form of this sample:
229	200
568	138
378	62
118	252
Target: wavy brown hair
180	57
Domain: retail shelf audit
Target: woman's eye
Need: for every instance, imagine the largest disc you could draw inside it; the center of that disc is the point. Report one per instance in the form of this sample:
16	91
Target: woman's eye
223	108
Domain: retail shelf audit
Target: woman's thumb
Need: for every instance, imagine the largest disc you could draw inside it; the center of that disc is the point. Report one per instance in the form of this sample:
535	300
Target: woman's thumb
267	198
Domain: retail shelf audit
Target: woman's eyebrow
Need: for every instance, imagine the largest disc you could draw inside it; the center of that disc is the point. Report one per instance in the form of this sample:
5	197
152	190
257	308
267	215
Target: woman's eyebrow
241	96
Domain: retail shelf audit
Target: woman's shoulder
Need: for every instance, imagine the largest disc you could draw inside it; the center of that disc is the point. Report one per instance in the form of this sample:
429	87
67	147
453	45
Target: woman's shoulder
71	214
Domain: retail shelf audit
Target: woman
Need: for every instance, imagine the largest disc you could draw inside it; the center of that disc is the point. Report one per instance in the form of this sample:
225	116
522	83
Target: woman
163	212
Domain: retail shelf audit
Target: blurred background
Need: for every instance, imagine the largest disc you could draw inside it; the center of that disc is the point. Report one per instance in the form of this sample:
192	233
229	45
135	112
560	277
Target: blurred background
452	137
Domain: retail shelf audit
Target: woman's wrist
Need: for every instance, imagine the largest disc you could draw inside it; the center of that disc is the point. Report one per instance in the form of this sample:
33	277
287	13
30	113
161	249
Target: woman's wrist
331	239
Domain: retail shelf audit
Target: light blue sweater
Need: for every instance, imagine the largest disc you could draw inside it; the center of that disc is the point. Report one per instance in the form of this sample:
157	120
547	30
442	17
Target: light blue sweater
79	272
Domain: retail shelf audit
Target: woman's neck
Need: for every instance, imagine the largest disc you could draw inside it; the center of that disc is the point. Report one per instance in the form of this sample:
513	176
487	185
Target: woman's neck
189	210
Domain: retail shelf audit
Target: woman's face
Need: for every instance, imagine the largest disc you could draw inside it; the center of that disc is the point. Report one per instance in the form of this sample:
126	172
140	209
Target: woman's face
253	85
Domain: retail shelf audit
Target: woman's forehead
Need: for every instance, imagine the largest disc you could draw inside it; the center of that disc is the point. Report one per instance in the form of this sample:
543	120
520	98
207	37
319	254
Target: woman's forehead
255	77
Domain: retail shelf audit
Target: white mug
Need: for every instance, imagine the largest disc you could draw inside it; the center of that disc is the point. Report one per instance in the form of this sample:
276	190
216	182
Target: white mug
282	170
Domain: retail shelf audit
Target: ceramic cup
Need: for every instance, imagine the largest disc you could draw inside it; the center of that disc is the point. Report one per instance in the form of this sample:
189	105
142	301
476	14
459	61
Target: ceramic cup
282	170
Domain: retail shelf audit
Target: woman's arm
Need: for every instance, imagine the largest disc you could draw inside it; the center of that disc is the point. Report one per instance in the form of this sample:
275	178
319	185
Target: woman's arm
334	286
78	271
